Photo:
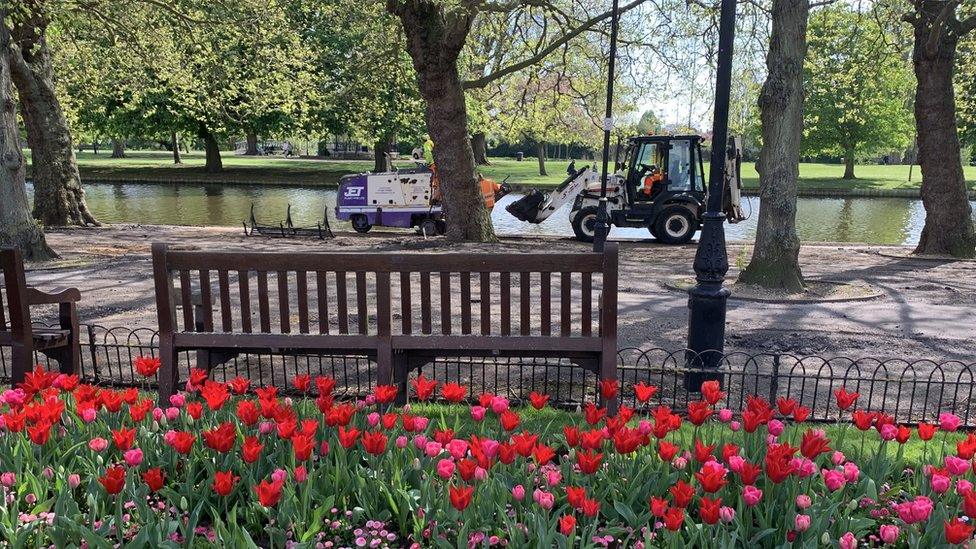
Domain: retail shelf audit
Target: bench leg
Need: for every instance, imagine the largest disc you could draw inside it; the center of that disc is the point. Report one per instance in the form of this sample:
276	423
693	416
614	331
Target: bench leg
384	364
71	361
22	357
167	371
608	371
401	371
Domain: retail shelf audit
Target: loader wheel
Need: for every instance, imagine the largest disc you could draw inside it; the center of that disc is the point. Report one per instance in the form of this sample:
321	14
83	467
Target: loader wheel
360	223
428	227
584	224
441	227
675	225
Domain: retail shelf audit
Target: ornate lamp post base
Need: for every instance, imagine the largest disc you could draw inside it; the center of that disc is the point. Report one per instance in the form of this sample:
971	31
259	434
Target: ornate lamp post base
707	303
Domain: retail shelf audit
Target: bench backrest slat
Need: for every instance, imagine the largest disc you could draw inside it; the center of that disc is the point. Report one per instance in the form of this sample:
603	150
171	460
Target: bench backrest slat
311	293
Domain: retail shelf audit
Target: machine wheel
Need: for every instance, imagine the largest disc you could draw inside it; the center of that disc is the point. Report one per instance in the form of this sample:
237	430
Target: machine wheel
441	227
674	225
584	224
360	223
427	227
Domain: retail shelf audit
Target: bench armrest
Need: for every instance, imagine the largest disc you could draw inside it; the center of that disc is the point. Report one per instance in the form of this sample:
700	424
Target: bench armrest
59	295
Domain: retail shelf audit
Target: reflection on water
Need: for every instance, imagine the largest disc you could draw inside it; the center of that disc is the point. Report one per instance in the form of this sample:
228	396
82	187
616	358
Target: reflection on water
868	220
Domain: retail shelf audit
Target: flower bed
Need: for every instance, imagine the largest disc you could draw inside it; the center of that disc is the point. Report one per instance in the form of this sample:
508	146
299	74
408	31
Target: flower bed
218	466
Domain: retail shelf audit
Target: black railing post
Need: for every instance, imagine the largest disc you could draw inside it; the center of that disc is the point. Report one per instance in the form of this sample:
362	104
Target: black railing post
774	379
707	300
602	215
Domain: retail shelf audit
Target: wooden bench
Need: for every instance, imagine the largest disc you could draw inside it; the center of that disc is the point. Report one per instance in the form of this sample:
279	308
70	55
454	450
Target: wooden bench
402	310
60	343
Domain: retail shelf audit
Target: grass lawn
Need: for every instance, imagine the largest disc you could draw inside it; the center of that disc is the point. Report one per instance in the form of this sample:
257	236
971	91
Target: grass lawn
158	165
846	439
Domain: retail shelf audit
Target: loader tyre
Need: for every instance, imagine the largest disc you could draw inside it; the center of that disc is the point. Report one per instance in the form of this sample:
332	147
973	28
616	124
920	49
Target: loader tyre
584	224
427	227
441	227
360	223
675	225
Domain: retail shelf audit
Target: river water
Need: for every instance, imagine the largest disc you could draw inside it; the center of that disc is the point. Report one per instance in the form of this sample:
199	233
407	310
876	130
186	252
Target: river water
864	220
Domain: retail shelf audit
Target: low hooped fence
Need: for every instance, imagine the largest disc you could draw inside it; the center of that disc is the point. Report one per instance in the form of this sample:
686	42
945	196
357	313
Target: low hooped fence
910	390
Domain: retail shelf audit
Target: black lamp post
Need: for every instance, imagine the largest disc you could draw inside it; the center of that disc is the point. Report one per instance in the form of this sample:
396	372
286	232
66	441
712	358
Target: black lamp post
707	300
602	216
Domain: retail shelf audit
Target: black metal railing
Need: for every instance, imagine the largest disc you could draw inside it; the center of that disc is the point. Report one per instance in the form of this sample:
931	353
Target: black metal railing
910	390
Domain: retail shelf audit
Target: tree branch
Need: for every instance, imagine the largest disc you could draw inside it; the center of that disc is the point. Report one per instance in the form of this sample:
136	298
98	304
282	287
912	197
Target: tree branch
967	25
529	61
935	33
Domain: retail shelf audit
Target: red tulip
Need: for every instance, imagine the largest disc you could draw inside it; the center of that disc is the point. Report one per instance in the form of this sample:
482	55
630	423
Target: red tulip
778	462
347	438
666	450
524	443
303	444
466	468
147	366
592	440
703	453
957	531
711	477
385	394
904	433
302	382
644	392
608	388
239	385
711	390
506	453
247	412
626	440
708	509
424	387
197	376
567	523
509	420
699	412
813	444
460	496
113	480
593	414
575	496
269	493
123	438
454	392
251	450
543	454
786	405
155	478
339	415
844	399
538	400
863	420
728	450
222	438
926	431
969	503
659	506
444	436
966	449
674	518
224	482
325	385
682	492
484	400
374	442
572	435
389	420
800	414
183	441
194	410
591	507
40	432
589	461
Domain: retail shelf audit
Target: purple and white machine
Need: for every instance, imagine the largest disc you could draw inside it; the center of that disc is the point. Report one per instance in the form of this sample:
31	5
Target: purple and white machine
393	199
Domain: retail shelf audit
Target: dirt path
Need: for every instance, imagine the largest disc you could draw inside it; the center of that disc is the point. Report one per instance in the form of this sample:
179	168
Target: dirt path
927	310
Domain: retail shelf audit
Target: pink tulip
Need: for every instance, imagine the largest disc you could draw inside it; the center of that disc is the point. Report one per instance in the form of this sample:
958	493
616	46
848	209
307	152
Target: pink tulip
157	414
499	404
518	492
735	425
834	480
88	415
775	427
889	533
266	427
940	483
679	463
172	413
177	400
963	486
837	458
847	541
851	471
98	444
445	468
804	467
917	510
433	448
478	413
553	476
956	465
458	448
736	462
645	427
324	448
545	499
373	419
420	442
421	423
726	513
752	495
801	523
480	473
949	421
803	501
279	475
8	479
74	480
401	442
133	457
301	473
369	400
725	415
490	448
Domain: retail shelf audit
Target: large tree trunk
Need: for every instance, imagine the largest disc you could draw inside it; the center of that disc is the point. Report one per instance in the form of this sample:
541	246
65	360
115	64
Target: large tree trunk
17	227
175	141
58	196
480	148
434	40
948	217
213	164
540	153
775	257
849	164
118	148
381	158
251	144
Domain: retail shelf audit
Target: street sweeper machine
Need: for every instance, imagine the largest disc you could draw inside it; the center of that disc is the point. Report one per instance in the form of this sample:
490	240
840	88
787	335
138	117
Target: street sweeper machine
660	185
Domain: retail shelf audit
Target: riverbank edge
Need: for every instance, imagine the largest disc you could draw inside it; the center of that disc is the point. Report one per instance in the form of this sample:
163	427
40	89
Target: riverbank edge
809	192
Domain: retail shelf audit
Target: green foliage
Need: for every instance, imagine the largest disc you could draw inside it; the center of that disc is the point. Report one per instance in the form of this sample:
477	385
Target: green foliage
858	88
965	84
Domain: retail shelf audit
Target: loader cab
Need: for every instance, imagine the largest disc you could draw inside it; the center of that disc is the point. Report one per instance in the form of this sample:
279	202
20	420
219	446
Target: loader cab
660	166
